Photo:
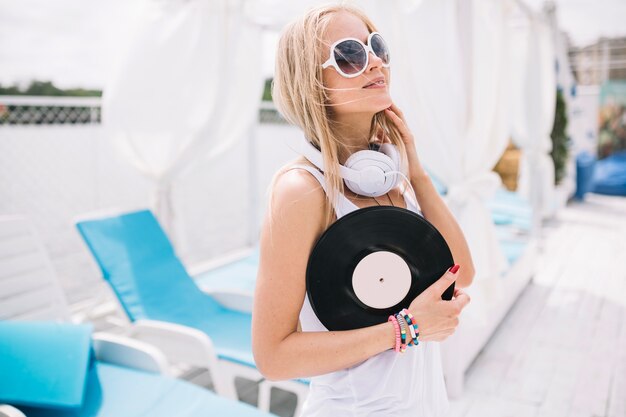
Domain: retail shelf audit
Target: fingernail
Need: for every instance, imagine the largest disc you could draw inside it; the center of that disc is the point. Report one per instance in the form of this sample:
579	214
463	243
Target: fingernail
454	268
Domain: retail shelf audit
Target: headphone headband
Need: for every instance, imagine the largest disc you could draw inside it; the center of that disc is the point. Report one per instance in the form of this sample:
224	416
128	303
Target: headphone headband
370	173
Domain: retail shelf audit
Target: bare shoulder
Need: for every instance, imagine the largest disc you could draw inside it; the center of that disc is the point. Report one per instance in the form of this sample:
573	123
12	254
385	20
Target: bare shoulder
296	188
296	212
294	219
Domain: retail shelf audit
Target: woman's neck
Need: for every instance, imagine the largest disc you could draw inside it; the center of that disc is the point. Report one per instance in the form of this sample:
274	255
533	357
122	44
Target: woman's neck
354	133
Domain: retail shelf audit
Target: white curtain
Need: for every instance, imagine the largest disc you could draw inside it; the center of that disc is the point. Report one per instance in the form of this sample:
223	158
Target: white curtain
449	77
188	86
536	173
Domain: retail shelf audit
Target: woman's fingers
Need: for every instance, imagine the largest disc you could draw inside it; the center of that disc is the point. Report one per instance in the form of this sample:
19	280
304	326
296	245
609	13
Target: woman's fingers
461	300
399	122
458	291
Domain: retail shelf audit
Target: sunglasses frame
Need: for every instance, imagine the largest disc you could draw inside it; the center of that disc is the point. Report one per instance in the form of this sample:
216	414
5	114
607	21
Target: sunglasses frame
331	62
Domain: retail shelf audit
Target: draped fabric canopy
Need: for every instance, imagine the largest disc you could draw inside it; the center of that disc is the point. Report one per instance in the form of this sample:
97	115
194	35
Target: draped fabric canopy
535	97
464	76
188	86
450	77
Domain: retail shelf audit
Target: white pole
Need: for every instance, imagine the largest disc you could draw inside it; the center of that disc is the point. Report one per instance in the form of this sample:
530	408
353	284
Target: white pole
253	186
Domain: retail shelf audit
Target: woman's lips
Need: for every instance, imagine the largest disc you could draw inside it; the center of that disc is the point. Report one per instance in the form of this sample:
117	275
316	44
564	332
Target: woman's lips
380	80
383	85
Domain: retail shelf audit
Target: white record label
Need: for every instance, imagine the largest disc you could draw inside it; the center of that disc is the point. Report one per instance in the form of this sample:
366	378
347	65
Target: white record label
381	279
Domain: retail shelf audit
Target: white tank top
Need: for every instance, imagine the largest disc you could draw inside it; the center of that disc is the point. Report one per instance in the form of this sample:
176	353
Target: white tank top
385	385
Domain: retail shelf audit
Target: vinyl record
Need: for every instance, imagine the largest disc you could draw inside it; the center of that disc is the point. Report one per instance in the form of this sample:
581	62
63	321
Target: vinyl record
372	263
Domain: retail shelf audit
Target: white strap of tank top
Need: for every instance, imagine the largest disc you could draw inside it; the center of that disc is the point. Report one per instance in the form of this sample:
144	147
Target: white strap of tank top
318	175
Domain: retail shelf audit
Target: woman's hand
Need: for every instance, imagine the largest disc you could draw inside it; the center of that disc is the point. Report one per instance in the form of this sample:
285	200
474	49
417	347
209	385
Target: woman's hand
437	319
397	117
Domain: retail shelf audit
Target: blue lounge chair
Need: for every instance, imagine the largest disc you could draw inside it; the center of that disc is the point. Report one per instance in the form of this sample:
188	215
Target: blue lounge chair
123	377
138	260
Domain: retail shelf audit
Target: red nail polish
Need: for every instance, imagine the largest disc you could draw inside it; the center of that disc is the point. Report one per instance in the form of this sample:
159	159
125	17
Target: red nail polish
454	268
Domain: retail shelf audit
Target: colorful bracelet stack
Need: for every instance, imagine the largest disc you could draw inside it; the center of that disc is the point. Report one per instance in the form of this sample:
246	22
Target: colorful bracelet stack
401	322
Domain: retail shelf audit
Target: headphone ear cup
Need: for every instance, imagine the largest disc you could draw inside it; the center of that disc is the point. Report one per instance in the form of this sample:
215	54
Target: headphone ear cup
372	166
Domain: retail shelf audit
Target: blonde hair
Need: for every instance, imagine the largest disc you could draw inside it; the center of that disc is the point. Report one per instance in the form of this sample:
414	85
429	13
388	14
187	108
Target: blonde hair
302	99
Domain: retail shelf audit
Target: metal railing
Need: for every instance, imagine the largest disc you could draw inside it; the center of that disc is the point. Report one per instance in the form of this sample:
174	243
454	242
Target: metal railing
30	110
269	115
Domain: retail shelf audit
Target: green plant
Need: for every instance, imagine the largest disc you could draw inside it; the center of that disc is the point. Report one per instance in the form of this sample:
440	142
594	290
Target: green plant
267	91
560	141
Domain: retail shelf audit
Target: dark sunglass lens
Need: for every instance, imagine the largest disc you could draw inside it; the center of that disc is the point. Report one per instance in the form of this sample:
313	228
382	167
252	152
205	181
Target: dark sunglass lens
380	48
350	56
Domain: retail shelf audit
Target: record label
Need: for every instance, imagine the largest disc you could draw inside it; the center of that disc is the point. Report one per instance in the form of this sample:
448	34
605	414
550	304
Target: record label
381	279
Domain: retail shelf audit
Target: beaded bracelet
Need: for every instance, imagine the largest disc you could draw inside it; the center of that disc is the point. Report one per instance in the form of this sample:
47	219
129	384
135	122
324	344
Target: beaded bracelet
396	327
412	325
414	328
411	330
403	328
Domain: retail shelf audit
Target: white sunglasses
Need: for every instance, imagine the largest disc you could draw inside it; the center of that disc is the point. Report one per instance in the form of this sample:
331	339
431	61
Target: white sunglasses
350	56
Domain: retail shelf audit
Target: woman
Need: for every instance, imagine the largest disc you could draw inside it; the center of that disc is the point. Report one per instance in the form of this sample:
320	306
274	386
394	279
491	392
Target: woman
340	99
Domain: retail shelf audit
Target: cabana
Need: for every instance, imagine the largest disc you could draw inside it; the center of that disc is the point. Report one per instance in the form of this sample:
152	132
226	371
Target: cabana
469	75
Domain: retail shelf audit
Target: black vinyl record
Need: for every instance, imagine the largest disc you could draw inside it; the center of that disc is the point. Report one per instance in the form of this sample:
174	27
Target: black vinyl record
372	263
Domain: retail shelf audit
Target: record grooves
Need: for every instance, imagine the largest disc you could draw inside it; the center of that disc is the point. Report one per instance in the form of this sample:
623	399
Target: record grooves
372	263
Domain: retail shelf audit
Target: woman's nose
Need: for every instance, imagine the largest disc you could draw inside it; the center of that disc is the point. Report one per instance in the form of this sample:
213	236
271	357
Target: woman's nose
375	60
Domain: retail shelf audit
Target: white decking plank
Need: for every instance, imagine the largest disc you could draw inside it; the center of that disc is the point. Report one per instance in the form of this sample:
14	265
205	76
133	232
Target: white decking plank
617	398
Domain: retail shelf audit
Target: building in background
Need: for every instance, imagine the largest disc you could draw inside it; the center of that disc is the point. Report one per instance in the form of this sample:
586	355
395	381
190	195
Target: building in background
602	61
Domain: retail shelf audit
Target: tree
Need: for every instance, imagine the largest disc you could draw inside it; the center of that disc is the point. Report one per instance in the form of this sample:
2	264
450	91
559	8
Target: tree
560	141
47	88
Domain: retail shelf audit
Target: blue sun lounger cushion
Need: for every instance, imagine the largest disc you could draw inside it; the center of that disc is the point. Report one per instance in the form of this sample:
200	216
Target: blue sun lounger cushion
44	363
138	260
239	275
115	391
509	208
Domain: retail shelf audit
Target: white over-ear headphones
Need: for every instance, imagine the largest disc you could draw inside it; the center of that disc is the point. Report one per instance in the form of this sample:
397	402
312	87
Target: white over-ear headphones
369	173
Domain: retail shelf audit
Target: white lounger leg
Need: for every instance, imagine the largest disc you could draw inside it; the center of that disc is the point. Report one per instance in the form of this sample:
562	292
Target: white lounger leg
265	395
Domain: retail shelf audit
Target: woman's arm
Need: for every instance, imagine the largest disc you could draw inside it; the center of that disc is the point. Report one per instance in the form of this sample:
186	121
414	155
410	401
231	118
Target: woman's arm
280	351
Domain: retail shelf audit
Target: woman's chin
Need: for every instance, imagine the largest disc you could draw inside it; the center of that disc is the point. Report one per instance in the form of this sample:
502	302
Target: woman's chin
382	104
381	101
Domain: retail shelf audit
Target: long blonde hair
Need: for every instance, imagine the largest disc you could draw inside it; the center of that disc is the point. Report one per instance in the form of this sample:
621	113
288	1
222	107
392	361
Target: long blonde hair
301	97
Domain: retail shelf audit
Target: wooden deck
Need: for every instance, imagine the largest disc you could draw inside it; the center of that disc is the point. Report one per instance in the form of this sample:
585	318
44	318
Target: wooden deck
561	350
